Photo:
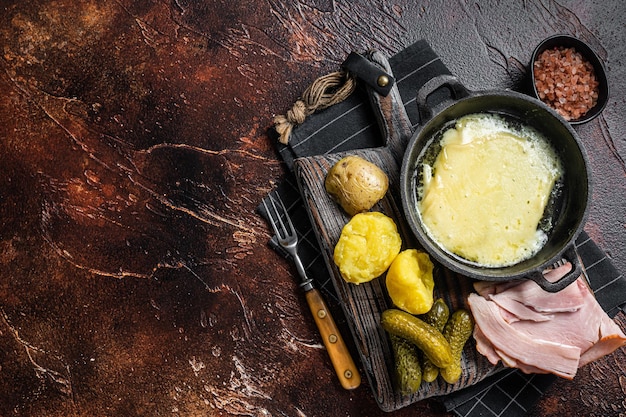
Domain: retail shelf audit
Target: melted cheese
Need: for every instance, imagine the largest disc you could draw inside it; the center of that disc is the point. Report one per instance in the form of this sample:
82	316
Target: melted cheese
487	190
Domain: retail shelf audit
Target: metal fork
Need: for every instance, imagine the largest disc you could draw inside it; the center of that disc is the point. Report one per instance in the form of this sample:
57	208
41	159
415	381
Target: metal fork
287	237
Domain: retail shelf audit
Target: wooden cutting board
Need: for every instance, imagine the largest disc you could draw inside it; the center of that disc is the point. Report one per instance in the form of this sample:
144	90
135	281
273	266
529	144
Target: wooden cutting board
363	304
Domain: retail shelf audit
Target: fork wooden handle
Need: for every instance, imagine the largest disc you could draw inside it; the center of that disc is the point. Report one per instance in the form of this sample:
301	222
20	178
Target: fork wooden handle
339	355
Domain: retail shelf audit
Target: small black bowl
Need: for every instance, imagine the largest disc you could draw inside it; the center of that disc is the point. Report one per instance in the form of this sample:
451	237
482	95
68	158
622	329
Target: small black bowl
588	53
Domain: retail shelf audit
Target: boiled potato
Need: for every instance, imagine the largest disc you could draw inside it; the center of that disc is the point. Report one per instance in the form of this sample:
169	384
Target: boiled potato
356	184
368	244
410	282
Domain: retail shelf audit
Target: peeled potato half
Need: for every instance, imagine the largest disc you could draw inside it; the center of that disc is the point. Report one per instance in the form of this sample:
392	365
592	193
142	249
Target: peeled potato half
368	244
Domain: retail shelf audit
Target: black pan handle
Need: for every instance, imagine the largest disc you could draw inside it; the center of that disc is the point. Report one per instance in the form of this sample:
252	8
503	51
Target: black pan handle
457	91
570	255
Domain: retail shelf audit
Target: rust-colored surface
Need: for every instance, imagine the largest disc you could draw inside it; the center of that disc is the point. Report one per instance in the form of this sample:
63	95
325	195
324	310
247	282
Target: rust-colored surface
136	279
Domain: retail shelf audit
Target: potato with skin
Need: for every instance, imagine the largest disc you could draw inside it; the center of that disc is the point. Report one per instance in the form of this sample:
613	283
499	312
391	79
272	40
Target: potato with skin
356	184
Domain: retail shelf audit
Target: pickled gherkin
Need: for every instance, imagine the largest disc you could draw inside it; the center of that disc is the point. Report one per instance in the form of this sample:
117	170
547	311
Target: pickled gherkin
457	331
407	365
416	331
437	317
438	314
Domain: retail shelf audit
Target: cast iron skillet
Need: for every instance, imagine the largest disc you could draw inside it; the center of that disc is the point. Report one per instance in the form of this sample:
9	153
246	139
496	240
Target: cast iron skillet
570	209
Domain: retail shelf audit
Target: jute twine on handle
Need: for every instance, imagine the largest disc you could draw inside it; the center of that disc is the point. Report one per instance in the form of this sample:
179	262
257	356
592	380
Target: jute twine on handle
324	92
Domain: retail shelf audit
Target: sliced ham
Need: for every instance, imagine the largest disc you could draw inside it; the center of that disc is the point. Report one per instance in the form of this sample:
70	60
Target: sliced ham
514	310
578	328
526	327
553	357
532	295
611	338
484	346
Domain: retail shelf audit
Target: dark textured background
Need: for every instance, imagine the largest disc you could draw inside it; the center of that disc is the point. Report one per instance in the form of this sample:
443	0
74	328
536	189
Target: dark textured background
136	277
